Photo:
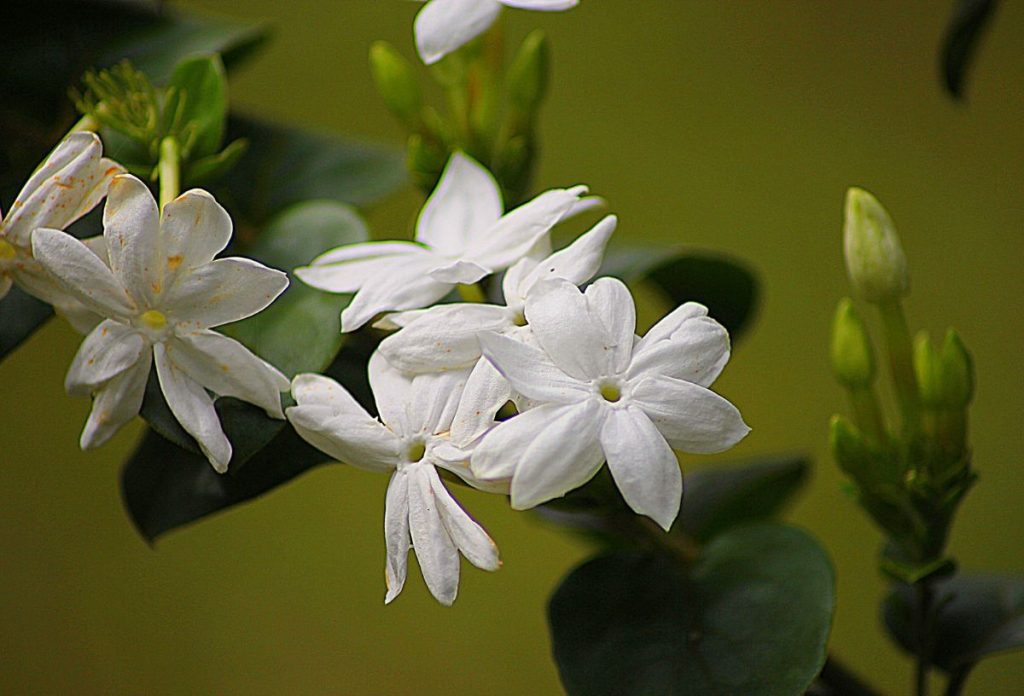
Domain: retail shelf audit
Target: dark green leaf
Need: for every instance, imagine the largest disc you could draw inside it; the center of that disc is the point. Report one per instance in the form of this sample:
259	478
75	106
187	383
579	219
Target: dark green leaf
725	286
720	497
750	618
976	616
286	165
20	315
969	21
198	102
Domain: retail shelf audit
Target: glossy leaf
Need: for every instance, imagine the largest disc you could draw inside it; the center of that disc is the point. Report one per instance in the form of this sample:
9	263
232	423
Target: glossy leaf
725	286
963	35
20	316
198	100
751	617
976	616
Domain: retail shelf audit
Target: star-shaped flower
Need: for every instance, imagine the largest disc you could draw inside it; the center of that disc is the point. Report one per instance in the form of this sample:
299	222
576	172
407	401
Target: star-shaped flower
443	26
461	236
160	292
444	337
67	185
419	511
607	396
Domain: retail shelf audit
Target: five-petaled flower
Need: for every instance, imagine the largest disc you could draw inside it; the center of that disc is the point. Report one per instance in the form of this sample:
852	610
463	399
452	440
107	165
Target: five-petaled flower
461	237
419	511
160	292
68	184
443	26
607	396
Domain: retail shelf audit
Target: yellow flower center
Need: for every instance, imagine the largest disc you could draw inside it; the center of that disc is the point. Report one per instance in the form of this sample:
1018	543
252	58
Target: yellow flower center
519	319
416	451
611	392
154	320
7	251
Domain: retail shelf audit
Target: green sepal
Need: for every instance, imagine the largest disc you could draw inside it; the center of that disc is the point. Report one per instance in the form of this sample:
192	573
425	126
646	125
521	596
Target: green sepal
210	169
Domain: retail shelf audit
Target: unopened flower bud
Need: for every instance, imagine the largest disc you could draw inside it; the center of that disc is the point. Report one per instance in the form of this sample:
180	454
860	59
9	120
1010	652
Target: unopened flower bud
849	449
928	368
957	372
874	257
853	361
527	77
396	82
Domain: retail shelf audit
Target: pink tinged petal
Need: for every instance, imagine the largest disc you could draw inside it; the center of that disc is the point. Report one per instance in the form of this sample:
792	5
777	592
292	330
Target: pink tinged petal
310	389
577	262
696	352
355	439
227	368
670	323
644	467
692	418
392	390
131	226
433	400
407	285
467	200
575	339
223	291
465	272
70	183
442	337
80	273
544	5
469	537
396	534
110	349
502	449
193	408
563	455
194	229
348	268
512	237
486	391
611	304
436	552
116	403
443	26
531	372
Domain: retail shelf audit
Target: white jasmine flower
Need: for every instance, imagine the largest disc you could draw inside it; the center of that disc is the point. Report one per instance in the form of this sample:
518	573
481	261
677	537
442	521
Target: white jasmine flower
461	236
160	291
607	396
442	26
445	337
419	511
67	185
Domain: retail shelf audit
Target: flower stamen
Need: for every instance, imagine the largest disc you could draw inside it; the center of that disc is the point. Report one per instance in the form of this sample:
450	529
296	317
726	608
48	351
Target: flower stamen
154	320
7	251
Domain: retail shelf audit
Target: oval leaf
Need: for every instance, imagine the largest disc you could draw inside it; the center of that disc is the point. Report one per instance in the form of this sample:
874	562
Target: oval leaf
751	618
198	103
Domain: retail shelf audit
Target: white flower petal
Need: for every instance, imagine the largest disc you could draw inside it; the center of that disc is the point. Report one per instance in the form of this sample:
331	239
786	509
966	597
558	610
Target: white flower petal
435	550
396	534
223	291
611	303
486	391
193	408
697	352
116	403
644	467
392	390
442	337
227	368
443	26
81	273
530	371
465	272
353	438
433	400
467	200
469	537
545	5
131	226
310	389
563	455
577	262
110	349
574	338
692	418
500	451
514	285
194	228
348	268
402	285
512	237
670	323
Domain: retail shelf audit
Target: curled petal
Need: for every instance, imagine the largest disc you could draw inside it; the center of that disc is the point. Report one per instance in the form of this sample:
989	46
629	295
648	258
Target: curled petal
116	403
108	350
486	391
692	418
442	26
465	272
357	440
396	534
436	552
697	352
194	229
469	537
577	262
310	389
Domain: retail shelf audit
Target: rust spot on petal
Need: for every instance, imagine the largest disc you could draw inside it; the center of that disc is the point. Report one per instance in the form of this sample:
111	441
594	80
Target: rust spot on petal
157	287
174	261
111	170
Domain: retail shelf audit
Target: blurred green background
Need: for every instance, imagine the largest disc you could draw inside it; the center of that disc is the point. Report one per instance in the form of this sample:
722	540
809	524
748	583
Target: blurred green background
734	126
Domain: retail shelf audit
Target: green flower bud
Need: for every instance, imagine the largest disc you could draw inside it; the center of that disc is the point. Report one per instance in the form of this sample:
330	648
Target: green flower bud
849	449
853	361
957	372
396	82
424	161
528	75
874	257
928	368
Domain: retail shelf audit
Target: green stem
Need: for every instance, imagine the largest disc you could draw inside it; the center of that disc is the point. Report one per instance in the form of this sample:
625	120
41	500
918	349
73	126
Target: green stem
901	364
472	293
922	634
957	680
87	123
868	414
169	170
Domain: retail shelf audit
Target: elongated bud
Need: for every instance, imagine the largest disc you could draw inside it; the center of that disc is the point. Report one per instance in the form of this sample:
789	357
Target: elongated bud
874	257
396	82
424	161
853	361
527	77
849	449
957	372
928	368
